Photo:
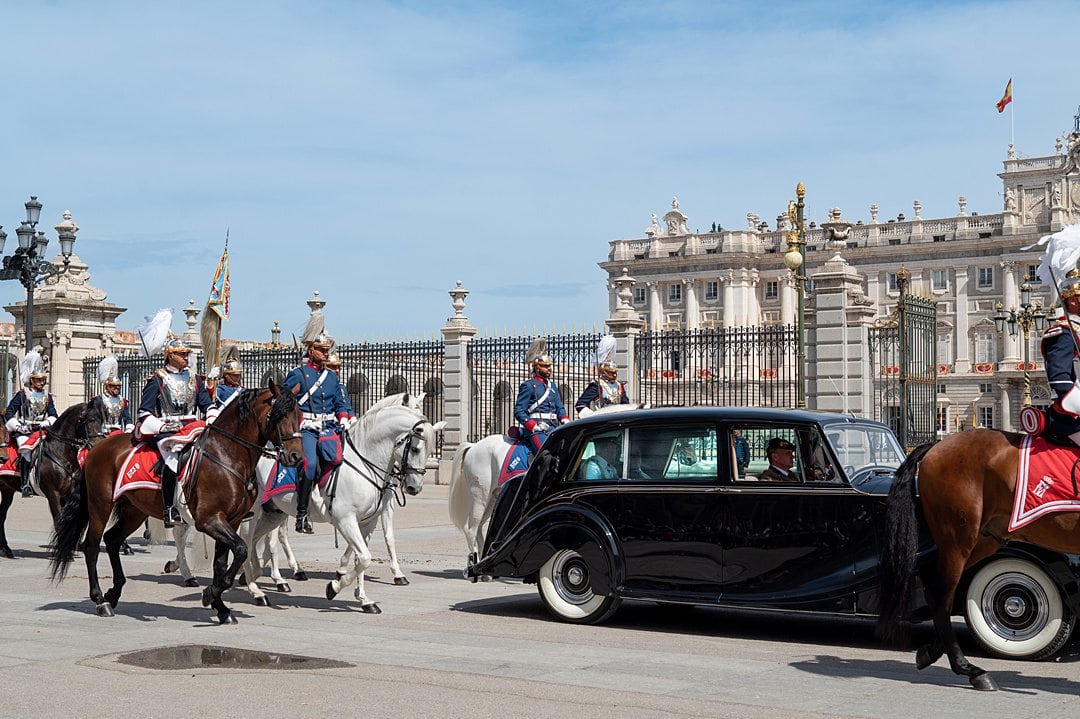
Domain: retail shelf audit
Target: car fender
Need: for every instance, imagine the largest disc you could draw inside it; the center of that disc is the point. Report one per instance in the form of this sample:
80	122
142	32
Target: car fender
1062	571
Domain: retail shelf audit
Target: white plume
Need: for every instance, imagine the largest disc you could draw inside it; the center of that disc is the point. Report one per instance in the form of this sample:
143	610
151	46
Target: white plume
153	333
30	363
109	367
605	350
1062	253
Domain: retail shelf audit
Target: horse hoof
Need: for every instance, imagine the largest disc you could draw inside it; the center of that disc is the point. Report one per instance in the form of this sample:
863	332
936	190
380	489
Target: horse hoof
372	608
171	566
226	618
207	596
485	577
284	587
300	575
924	657
330	591
984	683
191	582
338	576
104	610
126	550
401	581
262	601
113	598
7	553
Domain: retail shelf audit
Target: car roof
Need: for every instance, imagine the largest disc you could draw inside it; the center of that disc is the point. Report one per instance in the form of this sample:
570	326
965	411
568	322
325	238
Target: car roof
724	414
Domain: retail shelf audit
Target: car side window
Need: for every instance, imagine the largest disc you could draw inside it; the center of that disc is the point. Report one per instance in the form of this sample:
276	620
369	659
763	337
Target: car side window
672	453
765	453
602	458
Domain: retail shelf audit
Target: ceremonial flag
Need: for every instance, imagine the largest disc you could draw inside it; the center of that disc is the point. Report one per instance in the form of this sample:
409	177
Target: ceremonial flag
220	289
1006	98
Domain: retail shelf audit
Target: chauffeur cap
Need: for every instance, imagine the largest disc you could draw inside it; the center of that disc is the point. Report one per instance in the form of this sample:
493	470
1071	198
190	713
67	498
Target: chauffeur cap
778	443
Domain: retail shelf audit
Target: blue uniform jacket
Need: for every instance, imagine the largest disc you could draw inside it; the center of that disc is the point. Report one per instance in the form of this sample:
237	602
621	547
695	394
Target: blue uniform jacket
594	390
1058	350
153	397
125	413
327	399
223	392
15	407
551	410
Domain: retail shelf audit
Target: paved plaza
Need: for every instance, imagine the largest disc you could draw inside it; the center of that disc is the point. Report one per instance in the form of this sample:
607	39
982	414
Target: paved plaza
444	647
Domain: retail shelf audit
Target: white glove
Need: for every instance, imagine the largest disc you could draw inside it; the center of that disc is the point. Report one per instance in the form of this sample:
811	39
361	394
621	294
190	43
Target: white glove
1071	401
150	426
129	428
13	424
564	420
212	414
349	423
173	425
48	422
584	412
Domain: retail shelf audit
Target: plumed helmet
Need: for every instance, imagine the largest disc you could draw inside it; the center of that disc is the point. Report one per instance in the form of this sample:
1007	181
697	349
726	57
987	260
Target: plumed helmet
232	365
315	334
32	365
154	332
605	356
538	353
176	345
1071	286
109	371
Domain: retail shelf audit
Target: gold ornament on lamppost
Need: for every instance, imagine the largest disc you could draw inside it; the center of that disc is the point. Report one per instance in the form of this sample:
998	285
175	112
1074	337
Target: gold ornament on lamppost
793	260
1031	315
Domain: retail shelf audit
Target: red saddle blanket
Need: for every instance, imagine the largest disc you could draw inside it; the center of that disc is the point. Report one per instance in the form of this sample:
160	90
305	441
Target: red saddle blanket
1044	481
137	471
10	466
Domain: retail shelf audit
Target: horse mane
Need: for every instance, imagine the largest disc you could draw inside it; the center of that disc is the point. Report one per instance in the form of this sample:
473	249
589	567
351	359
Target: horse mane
371	416
72	420
284	403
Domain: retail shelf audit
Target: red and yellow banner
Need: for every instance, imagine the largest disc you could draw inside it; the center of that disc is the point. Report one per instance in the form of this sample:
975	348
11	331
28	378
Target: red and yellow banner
1006	98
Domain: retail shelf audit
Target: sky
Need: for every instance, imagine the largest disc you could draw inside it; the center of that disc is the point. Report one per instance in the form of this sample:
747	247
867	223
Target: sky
379	152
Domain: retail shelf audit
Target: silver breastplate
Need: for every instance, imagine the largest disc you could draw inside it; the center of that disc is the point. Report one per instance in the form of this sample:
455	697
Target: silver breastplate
610	393
33	408
114	407
178	393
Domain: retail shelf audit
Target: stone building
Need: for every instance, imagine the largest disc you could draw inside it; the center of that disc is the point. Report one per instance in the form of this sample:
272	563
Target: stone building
967	262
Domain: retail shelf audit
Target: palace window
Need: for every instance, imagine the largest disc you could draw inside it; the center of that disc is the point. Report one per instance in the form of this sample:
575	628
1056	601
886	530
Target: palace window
985	347
943	419
892	283
941	389
639	295
944	348
986	278
940	279
986	417
986	387
712	290
675	293
772	289
1030	276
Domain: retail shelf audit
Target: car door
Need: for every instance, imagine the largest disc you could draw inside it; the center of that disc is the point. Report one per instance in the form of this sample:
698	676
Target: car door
794	543
669	516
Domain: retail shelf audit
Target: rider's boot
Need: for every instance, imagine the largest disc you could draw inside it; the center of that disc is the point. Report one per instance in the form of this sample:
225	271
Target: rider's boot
24	472
170	515
303	495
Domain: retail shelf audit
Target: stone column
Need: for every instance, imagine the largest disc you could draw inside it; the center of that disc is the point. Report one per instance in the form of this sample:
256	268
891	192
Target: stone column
838	362
60	366
788	298
753	298
624	325
457	384
729	298
656	309
962	340
1006	422
1012	346
693	313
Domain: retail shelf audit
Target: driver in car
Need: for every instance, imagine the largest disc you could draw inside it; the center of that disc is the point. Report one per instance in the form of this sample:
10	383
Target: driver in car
781	454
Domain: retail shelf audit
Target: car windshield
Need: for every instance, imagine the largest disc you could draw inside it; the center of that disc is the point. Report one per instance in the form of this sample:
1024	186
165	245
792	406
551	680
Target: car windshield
863	446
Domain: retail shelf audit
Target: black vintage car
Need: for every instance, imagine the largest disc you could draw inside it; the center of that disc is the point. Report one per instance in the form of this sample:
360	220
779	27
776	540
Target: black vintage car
682	506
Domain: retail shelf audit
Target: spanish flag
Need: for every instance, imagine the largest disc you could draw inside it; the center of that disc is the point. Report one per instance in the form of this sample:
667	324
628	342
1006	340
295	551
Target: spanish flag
1006	98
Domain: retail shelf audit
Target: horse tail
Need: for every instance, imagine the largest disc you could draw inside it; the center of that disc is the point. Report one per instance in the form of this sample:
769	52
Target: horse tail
459	489
70	528
897	569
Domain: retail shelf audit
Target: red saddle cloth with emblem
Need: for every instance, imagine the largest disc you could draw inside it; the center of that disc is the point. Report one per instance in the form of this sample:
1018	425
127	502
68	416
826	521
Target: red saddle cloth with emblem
137	471
10	466
1044	481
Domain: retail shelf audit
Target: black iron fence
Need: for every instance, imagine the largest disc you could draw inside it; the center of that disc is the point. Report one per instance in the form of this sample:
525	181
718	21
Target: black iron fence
733	366
497	367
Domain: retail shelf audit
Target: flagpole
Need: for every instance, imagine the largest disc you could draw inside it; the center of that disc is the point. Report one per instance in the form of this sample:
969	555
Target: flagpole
1012	122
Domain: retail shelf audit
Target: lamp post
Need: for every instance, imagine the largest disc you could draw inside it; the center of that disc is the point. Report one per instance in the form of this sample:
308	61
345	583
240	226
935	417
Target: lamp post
1031	315
28	264
793	260
903	278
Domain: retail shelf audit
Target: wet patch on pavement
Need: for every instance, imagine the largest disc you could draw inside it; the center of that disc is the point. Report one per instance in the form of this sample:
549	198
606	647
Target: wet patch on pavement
200	656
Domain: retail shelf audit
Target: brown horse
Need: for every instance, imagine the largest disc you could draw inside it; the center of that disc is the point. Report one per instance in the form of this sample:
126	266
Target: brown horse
55	461
220	490
965	491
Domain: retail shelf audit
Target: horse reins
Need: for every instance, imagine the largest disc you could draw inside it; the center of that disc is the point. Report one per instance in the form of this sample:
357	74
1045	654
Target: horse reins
391	477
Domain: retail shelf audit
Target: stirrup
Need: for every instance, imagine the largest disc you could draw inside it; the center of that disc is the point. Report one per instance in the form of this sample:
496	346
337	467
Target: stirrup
27	491
170	517
303	524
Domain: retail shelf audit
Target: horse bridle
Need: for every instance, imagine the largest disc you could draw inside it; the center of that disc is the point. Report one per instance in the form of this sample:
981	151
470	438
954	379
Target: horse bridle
85	443
277	444
394	477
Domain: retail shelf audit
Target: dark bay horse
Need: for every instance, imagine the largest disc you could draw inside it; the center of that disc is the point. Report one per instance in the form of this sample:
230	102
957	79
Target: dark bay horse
220	491
964	493
55	461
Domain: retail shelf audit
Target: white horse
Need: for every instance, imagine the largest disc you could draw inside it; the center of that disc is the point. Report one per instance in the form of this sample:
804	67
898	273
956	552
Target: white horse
474	482
388	449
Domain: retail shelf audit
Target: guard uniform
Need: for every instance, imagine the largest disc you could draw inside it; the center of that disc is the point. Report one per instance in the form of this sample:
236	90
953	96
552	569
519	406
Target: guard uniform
28	411
539	409
600	393
1059	351
115	413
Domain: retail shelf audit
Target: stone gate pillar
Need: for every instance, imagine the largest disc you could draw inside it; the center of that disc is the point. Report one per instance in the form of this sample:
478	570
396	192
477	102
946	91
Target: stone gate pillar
457	384
624	325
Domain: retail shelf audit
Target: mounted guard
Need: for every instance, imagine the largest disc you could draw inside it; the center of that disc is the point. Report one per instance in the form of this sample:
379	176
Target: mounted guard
1060	350
114	410
607	389
31	410
326	412
223	390
539	408
333	362
168	406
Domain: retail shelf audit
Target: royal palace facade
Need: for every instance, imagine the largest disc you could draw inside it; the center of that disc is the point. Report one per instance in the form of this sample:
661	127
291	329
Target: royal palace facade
968	263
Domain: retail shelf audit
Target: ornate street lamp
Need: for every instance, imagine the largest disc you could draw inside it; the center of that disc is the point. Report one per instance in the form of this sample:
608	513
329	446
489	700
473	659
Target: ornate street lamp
28	264
793	260
1031	315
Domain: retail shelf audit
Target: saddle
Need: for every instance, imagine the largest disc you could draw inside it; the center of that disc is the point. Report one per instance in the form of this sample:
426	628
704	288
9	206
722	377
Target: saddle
517	459
1037	422
143	466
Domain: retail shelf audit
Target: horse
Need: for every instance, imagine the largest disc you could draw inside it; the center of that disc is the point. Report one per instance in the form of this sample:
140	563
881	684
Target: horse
218	492
474	481
54	461
964	492
386	450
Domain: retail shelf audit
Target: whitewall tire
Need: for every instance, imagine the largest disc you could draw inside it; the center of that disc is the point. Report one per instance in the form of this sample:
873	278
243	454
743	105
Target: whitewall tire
1014	609
565	588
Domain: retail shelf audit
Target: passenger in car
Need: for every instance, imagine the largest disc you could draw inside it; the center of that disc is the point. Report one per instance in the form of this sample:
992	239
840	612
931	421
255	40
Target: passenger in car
781	454
605	463
636	469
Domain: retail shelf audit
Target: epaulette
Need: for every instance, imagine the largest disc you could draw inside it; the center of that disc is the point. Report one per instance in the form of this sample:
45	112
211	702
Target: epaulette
1054	331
